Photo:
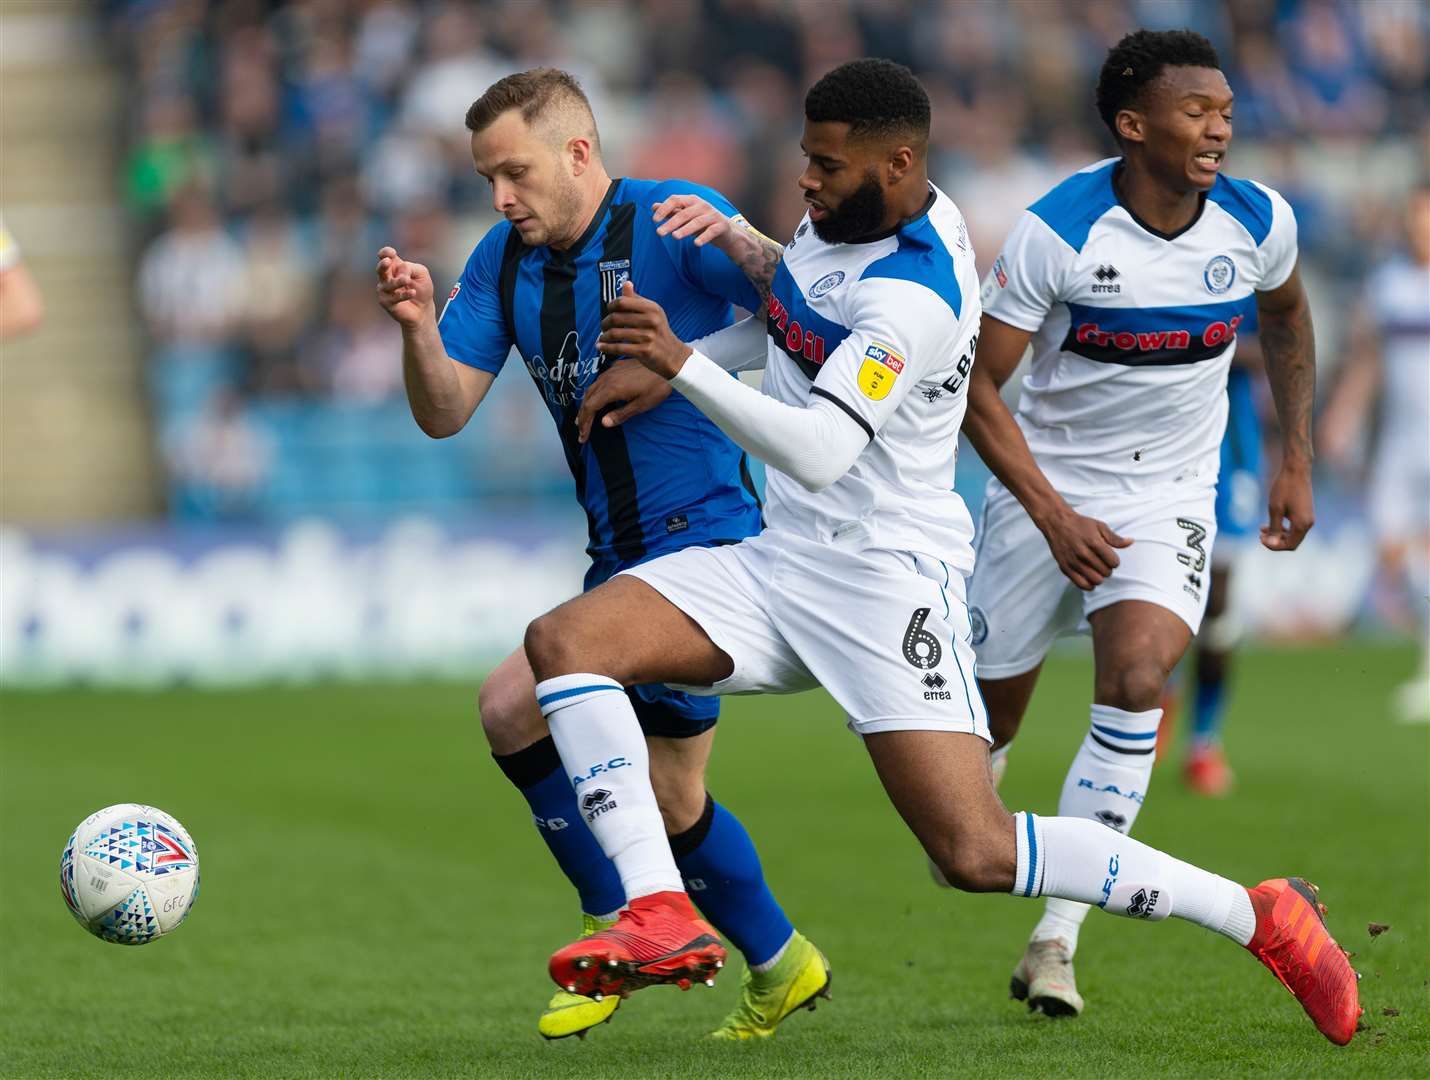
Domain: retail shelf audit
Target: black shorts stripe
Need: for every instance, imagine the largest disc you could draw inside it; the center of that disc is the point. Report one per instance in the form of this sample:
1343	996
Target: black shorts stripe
847	408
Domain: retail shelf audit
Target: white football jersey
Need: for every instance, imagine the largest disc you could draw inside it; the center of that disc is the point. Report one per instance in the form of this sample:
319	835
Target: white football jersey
885	329
1133	329
1398	295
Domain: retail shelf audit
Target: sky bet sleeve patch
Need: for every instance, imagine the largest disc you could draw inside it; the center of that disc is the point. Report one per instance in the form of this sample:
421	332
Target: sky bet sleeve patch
880	368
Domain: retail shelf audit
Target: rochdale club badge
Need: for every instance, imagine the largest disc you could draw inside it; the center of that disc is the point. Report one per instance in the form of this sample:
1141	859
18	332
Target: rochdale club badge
1219	275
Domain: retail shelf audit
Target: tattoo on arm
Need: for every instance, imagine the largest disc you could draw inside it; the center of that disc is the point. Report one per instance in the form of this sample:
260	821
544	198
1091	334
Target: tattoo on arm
1288	342
759	263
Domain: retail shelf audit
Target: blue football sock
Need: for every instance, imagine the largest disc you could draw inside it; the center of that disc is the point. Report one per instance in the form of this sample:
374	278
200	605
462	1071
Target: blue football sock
539	776
1208	711
721	868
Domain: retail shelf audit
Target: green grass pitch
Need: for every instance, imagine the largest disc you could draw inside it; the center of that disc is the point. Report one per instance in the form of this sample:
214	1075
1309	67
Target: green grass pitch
376	902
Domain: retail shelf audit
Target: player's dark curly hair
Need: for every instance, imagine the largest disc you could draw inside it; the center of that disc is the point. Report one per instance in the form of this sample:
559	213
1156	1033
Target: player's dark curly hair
1137	60
874	97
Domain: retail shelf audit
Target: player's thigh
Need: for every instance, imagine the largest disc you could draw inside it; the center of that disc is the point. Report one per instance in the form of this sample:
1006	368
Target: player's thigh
886	633
677	773
1016	594
1168	563
940	785
725	591
506	704
627	630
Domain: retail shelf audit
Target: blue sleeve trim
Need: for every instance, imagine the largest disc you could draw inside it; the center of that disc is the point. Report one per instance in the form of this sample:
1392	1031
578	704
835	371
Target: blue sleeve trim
1074	206
1247	203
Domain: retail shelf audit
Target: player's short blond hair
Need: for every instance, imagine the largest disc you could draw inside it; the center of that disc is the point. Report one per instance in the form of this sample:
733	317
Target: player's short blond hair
545	96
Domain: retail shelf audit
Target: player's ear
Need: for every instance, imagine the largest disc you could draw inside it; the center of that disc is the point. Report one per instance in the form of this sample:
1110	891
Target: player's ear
578	152
899	163
1130	125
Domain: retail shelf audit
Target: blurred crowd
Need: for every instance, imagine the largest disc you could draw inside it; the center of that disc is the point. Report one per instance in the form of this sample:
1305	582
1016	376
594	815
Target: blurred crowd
271	147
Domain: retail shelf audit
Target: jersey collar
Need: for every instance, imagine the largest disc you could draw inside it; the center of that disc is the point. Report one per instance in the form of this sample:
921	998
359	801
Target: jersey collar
886	233
1158	233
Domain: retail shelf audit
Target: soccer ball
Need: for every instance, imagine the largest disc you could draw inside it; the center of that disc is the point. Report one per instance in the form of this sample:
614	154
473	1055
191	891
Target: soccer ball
130	873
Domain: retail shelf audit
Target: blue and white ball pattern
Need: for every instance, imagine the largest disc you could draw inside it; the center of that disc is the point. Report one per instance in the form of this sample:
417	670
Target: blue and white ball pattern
129	873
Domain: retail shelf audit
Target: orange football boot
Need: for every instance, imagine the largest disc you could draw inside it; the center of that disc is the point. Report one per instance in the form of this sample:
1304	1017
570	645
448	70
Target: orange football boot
1292	940
657	939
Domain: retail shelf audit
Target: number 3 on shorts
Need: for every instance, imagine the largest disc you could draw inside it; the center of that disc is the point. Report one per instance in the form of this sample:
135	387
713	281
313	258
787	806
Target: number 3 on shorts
921	648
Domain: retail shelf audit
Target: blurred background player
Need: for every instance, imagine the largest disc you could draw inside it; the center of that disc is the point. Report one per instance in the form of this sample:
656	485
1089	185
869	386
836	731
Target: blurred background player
22	309
1238	511
540	281
1385	388
1130	280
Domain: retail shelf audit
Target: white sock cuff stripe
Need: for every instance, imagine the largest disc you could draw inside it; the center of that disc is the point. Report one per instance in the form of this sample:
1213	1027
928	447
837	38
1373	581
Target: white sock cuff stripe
1028	875
1129	732
555	694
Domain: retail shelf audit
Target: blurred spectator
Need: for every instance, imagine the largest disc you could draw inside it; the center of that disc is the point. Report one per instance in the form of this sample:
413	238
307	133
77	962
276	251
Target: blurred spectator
191	278
220	460
355	356
278	295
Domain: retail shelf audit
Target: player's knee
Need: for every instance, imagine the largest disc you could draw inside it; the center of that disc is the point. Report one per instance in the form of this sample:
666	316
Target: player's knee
552	645
976	867
509	714
1003	727
1135	686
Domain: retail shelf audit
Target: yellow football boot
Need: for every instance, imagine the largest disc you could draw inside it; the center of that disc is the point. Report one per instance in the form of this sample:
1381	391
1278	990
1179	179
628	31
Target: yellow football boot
799	978
572	1014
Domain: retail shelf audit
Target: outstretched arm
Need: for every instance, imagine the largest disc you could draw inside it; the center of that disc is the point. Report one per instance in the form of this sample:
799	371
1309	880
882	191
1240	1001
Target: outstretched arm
690	216
442	392
1288	344
1082	546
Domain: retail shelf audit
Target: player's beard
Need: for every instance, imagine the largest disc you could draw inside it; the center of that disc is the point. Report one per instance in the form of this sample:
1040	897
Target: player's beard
861	214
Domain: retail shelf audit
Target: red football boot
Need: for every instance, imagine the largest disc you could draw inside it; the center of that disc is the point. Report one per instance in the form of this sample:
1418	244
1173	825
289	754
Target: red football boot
1291	939
657	939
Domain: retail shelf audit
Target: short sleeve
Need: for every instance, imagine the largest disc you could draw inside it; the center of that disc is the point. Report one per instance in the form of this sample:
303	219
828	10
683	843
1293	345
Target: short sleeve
704	267
902	332
1278	250
472	323
1026	278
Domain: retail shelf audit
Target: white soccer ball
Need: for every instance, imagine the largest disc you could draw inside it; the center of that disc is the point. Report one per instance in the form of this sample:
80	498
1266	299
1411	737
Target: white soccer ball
130	873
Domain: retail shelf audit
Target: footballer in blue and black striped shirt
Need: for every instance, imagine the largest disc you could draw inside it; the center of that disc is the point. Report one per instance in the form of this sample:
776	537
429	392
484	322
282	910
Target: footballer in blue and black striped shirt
663	479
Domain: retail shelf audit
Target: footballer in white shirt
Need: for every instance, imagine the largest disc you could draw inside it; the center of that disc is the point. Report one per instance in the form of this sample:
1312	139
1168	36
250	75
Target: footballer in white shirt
856	583
1129	280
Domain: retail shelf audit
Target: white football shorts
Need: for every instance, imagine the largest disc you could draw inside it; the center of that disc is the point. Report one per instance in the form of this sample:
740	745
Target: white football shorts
885	632
1020	602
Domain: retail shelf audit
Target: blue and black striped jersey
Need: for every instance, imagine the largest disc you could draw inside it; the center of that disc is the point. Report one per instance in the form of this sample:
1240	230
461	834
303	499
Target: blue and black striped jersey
663	480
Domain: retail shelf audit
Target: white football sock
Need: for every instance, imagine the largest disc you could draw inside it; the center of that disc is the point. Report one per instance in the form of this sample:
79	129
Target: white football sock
1078	859
604	752
1106	783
